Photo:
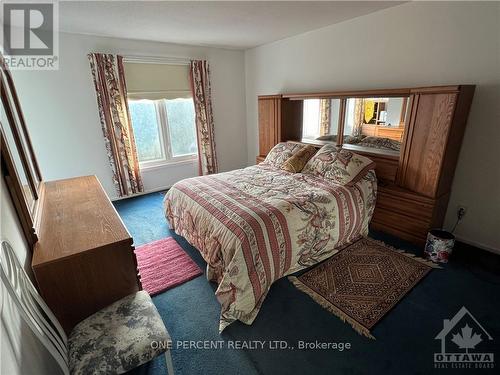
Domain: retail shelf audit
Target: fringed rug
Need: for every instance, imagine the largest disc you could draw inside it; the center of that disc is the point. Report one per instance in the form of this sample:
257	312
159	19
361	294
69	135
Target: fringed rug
164	264
362	282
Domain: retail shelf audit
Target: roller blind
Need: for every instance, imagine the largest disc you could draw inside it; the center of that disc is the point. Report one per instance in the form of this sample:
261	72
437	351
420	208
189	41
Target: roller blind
157	81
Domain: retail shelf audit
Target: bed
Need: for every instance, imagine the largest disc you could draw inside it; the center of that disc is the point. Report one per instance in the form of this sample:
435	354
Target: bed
255	225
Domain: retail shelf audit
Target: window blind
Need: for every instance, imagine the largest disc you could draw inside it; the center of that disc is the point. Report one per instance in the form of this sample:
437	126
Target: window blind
157	81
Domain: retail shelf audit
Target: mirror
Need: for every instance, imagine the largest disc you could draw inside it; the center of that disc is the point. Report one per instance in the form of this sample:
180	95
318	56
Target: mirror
19	164
370	124
320	121
7	146
375	124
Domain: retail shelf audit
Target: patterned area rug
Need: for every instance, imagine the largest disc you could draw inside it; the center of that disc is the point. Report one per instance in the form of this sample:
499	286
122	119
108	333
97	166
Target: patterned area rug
164	264
362	282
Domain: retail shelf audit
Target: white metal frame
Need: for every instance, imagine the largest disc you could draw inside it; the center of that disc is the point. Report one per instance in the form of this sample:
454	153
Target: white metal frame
36	313
168	361
32	308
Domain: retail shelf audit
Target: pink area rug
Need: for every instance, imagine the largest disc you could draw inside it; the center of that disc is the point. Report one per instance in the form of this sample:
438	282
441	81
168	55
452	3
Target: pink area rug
164	264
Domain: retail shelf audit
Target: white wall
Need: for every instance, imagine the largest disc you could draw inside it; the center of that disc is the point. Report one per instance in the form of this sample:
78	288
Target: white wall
20	351
414	44
61	110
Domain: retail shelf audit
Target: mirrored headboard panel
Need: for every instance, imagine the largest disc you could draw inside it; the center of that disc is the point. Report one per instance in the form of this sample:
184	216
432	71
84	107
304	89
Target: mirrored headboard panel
375	123
321	119
370	121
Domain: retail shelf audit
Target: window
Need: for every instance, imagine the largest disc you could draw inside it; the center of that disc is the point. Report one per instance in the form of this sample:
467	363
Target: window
164	130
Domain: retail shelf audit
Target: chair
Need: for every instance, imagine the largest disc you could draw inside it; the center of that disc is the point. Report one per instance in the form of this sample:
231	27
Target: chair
120	337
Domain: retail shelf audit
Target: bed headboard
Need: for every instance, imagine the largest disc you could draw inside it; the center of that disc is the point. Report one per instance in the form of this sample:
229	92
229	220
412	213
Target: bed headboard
414	183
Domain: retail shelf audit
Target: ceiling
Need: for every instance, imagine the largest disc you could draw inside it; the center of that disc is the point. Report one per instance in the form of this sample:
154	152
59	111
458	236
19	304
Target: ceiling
235	24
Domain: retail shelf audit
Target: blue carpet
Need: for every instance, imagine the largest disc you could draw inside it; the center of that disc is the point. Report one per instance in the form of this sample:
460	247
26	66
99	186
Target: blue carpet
404	342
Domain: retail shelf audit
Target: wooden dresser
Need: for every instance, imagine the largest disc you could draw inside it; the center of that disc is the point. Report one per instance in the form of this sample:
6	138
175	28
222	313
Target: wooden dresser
84	258
414	186
391	132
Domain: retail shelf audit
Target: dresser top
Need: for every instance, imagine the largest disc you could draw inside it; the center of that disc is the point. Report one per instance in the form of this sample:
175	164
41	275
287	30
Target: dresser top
76	216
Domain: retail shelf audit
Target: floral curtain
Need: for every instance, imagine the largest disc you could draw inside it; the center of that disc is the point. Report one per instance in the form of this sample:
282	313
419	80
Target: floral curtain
324	116
202	97
111	91
358	117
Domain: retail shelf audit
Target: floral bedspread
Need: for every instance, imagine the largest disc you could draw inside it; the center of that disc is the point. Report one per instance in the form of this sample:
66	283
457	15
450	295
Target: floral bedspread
258	224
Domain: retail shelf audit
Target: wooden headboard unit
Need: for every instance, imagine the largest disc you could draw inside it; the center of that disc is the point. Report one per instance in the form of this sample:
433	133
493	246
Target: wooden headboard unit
414	185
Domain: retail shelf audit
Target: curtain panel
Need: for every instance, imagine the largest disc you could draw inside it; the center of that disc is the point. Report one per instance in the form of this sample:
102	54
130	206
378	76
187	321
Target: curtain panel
111	92
325	116
202	97
358	117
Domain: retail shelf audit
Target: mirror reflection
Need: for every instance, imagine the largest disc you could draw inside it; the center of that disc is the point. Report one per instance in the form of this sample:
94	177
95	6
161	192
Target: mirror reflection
16	160
320	119
375	123
23	139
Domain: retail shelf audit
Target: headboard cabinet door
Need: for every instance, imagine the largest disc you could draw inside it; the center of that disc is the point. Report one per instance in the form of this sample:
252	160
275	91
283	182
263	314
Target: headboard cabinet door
425	144
269	122
280	120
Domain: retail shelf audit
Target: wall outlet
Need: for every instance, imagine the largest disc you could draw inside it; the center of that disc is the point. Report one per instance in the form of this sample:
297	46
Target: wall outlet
461	211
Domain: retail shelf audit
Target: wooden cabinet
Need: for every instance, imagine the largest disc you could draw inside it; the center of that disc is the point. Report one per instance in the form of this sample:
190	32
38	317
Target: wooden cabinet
279	120
427	145
269	122
84	259
413	189
427	163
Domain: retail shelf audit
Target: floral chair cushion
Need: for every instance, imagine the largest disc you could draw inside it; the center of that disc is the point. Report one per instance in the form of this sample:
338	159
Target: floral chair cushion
338	165
118	338
281	153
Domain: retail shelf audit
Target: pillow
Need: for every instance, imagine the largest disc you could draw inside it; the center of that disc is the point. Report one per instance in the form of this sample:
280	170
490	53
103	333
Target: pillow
338	165
282	152
296	162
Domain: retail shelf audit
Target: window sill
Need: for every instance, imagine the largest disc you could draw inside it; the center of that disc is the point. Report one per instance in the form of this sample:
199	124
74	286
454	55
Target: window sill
167	164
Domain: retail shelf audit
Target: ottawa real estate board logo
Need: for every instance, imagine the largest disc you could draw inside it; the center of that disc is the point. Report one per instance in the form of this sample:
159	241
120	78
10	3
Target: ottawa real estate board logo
30	39
464	343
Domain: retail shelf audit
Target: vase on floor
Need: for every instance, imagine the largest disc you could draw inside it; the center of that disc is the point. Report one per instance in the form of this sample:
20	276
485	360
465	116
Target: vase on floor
439	245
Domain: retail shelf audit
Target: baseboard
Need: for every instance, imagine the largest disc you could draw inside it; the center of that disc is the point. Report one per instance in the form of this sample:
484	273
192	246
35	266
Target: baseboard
478	245
156	190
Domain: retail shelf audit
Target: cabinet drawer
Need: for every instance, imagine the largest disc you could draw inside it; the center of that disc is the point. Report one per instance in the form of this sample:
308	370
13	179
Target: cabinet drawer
386	219
418	210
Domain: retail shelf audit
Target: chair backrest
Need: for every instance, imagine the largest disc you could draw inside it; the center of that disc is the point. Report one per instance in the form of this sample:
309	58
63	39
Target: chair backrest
32	308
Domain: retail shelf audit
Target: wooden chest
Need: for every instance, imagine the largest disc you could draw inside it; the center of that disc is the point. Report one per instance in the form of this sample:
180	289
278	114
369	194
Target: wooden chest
84	258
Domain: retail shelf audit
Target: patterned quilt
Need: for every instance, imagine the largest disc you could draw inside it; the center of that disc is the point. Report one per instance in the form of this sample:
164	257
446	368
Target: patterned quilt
258	224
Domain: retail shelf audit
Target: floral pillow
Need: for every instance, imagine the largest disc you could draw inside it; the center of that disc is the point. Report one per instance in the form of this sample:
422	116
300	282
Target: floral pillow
281	153
338	165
